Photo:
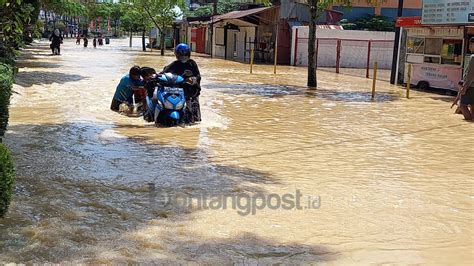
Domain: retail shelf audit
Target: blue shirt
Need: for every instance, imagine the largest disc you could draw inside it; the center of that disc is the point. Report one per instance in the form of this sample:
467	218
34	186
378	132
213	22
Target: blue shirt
124	91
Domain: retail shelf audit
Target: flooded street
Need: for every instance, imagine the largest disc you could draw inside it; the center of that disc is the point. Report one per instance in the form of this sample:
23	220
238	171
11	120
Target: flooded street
392	177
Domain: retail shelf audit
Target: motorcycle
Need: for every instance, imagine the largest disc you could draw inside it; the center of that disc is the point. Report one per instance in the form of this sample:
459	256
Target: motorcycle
167	105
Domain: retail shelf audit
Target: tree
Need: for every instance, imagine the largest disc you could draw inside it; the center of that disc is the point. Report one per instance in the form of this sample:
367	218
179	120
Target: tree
68	9
134	19
162	13
117	11
15	17
96	11
31	28
74	11
316	8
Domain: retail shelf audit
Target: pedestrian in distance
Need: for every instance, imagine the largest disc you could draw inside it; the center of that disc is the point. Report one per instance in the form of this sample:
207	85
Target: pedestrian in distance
86	41
56	40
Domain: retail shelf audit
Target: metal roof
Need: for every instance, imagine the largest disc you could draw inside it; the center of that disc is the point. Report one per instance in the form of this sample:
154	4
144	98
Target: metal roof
241	13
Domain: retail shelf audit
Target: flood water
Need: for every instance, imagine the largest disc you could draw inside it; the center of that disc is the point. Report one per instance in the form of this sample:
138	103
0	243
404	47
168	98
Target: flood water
392	177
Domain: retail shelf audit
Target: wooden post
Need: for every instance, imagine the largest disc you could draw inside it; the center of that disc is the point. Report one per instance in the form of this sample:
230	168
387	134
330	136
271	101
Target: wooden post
296	47
338	55
374	80
251	60
409	81
317	52
150	42
369	48
276	52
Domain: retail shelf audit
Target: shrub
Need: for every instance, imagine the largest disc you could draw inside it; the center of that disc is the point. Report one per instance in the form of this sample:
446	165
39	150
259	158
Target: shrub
371	23
7	177
60	25
6	81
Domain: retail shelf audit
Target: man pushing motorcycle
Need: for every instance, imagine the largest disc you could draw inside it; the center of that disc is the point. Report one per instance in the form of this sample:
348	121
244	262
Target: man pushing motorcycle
124	91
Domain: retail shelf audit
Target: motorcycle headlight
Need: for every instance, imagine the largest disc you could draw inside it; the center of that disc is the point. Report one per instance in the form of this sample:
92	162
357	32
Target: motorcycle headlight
169	105
180	106
160	105
155	93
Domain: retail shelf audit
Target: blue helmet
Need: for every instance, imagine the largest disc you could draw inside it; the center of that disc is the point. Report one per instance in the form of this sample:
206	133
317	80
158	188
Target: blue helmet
182	52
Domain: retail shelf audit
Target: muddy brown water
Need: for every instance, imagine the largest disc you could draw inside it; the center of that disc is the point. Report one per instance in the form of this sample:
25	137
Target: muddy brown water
392	177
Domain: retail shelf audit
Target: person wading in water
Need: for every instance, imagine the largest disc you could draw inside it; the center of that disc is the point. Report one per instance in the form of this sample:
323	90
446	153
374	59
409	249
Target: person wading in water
466	93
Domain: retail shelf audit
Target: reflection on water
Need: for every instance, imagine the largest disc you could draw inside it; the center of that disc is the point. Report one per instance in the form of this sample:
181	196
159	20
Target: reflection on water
394	175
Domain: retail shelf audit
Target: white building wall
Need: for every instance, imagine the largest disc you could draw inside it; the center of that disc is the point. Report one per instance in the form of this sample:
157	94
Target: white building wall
353	53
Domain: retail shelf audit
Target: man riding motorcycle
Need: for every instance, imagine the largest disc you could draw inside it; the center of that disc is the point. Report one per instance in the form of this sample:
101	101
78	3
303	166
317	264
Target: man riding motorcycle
188	69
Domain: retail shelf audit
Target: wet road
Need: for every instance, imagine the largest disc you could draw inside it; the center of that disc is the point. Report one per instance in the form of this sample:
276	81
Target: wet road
391	178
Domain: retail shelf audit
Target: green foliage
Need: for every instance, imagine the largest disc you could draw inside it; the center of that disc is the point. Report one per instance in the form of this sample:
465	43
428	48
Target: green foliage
15	16
7	177
6	82
202	11
371	23
95	10
161	12
8	62
223	6
134	18
64	7
59	25
320	5
38	28
117	10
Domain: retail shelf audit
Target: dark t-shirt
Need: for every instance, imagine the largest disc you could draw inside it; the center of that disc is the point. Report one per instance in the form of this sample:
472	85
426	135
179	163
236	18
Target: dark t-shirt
178	68
56	40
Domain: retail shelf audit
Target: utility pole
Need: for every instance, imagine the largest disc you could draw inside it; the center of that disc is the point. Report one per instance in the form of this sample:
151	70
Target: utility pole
396	45
214	12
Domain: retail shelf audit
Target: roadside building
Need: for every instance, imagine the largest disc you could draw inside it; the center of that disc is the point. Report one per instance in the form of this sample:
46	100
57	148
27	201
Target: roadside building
236	33
436	44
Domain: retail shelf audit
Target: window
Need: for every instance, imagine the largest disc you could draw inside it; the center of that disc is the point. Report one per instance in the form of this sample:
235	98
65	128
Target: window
414	58
433	46
219	36
451	52
415	45
470	45
432	59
